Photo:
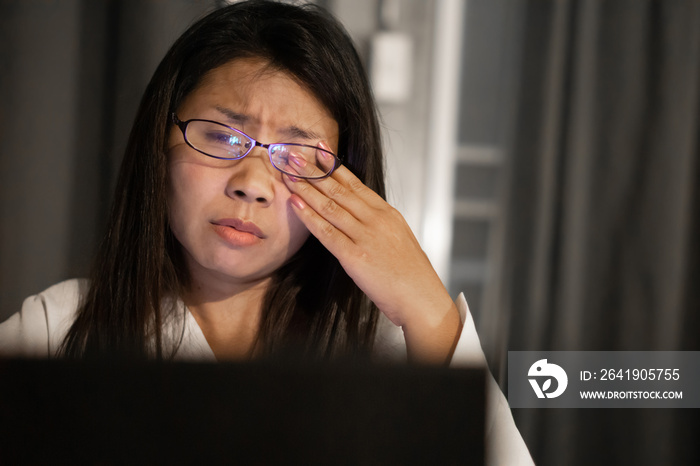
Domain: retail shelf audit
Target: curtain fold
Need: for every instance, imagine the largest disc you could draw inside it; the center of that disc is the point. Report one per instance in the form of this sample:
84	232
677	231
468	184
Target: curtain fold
602	213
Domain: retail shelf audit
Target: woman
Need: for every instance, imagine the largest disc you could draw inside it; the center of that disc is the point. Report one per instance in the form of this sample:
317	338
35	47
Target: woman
223	246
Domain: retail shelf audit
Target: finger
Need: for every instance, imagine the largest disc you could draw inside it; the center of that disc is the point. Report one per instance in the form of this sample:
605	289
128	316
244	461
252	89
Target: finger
299	165
332	211
353	184
325	196
325	157
348	179
332	238
345	189
314	164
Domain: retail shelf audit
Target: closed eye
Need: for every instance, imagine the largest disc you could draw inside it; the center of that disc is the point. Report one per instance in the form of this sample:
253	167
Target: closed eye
224	138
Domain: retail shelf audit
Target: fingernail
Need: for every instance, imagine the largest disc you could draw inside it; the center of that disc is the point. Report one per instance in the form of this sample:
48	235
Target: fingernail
326	148
297	202
298	161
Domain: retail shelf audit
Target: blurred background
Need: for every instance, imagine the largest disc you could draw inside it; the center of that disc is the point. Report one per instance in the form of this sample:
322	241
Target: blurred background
545	154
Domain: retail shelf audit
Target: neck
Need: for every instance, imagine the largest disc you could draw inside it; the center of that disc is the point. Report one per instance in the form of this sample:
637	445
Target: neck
229	316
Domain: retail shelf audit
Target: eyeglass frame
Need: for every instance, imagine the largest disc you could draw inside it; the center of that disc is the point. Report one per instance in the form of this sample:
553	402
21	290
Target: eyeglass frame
183	127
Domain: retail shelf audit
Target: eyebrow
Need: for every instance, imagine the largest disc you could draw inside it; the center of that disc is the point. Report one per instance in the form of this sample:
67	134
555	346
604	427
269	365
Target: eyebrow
296	132
292	131
233	116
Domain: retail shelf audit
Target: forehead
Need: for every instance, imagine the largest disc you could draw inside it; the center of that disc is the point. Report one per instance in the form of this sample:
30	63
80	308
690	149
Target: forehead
261	94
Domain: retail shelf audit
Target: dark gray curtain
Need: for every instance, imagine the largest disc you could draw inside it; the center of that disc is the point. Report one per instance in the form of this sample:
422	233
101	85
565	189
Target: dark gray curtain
71	76
601	249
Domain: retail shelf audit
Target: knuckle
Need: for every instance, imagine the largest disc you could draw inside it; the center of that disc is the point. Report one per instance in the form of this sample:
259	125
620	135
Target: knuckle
327	229
362	256
388	213
300	187
356	185
395	214
329	206
335	191
388	218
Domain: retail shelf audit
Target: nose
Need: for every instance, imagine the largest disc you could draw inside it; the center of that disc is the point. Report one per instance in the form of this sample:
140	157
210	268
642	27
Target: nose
252	179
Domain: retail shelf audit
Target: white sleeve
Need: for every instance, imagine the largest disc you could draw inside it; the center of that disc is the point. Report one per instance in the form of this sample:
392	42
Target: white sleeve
38	329
504	444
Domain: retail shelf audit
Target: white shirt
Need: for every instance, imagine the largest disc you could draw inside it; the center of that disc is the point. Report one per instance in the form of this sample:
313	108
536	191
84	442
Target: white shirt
39	328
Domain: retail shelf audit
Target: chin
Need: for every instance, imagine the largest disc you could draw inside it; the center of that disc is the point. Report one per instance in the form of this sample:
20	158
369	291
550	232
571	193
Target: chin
244	273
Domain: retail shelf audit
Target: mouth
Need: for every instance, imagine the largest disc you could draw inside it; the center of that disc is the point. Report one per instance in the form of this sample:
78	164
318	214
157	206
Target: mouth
241	226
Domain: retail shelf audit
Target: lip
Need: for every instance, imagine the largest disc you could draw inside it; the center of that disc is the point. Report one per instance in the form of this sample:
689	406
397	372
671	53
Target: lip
241	225
238	232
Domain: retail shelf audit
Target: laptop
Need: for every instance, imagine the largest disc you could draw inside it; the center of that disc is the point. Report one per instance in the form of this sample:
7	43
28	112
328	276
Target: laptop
114	412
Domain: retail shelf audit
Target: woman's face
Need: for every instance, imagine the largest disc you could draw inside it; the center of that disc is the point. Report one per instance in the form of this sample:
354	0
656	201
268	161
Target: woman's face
233	218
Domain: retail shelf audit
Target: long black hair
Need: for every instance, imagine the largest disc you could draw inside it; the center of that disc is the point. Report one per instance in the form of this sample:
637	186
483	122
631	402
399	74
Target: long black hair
311	303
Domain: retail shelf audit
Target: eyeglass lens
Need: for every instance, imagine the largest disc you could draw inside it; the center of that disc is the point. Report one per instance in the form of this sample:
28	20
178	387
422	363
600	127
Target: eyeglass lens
222	142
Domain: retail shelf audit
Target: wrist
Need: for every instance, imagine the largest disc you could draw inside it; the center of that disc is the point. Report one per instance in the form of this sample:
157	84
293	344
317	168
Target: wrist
432	336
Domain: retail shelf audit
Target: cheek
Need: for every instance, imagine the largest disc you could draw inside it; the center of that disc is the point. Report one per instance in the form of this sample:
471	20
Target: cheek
187	191
179	191
177	208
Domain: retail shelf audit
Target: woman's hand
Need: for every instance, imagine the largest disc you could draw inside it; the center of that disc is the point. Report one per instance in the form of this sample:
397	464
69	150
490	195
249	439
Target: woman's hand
377	249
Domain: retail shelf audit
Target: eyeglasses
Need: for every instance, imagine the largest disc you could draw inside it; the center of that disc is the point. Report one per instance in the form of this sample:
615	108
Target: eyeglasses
223	142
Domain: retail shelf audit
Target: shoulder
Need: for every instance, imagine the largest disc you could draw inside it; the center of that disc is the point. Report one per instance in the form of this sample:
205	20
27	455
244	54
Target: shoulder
43	321
61	298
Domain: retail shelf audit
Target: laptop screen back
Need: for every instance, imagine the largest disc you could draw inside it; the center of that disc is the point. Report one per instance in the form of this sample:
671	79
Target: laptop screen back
254	413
